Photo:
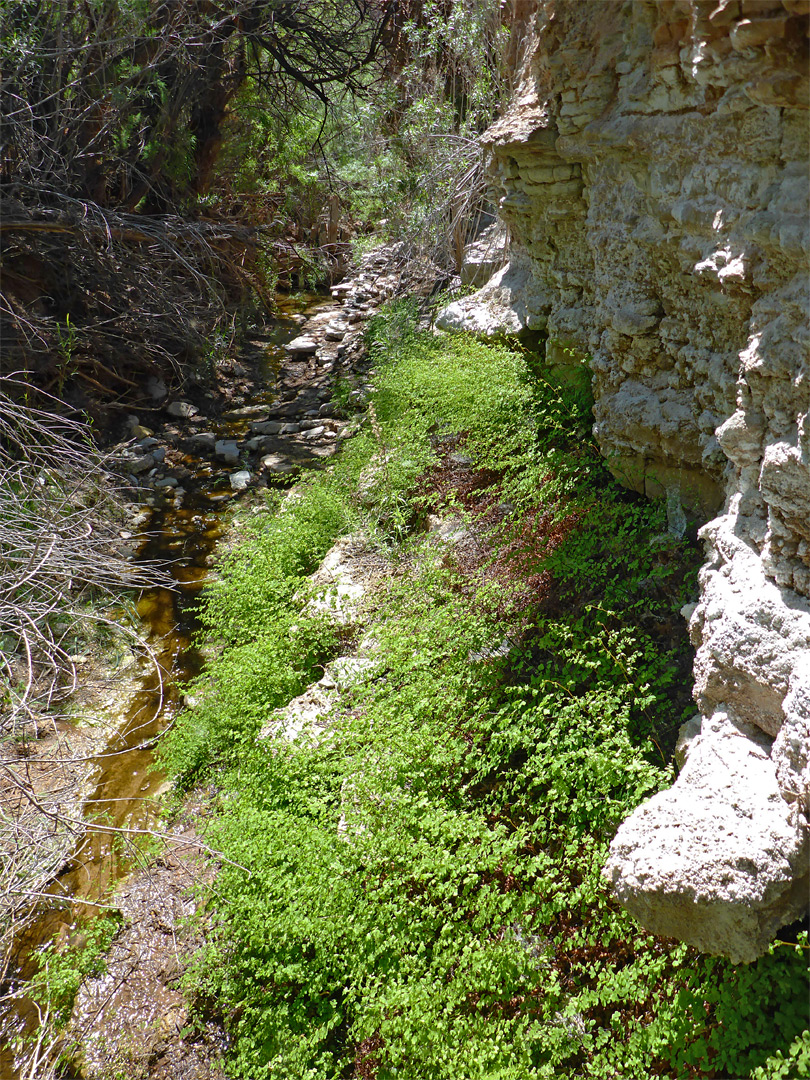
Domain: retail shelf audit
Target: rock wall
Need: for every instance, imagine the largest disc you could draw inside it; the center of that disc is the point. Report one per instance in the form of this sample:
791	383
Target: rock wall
653	171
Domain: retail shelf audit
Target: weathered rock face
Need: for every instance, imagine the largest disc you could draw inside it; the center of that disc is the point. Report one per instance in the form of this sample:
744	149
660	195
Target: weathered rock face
653	171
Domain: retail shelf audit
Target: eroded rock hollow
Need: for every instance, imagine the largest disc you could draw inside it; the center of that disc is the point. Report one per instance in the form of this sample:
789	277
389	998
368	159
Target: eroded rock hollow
653	171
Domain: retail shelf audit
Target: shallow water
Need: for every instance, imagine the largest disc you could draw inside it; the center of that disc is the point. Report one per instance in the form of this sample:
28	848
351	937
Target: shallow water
126	783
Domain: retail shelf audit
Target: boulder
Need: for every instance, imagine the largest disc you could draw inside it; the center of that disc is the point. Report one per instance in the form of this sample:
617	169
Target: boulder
720	859
497	310
485	255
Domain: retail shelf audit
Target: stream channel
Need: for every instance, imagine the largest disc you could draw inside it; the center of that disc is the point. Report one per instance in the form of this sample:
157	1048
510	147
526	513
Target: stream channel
180	535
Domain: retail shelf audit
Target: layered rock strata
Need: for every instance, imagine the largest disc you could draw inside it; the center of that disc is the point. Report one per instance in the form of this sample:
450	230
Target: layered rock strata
653	171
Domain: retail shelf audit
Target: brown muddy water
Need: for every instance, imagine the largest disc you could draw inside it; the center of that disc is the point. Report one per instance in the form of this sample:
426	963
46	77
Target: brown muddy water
126	786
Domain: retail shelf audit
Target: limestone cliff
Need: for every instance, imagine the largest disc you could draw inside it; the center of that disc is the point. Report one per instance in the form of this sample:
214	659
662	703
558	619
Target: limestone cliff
653	172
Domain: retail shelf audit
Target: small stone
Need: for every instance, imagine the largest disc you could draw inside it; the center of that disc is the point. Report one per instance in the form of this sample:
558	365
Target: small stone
266	427
314	432
166	482
239	480
156	388
227	449
304	345
276	463
205	440
183	410
289	429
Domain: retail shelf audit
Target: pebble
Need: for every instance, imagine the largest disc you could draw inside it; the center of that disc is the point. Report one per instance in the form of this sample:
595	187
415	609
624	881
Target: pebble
276	463
166	482
156	388
206	440
184	410
228	449
239	480
302	345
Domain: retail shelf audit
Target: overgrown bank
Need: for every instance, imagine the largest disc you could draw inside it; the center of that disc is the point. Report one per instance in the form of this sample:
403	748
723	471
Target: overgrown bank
422	892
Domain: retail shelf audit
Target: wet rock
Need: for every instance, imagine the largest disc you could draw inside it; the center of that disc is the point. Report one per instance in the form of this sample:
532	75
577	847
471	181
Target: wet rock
204	441
167	482
227	449
245	412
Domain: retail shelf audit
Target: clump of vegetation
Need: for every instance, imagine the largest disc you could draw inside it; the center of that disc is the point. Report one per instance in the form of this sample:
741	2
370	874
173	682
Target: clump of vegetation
424	894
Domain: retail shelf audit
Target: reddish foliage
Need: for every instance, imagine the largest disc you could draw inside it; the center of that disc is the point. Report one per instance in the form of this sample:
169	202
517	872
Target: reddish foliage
366	1060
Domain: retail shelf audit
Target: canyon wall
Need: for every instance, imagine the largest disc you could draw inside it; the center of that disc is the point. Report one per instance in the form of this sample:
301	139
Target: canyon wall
653	171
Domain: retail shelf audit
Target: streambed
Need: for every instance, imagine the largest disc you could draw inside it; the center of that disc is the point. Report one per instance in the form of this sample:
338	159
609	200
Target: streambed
186	519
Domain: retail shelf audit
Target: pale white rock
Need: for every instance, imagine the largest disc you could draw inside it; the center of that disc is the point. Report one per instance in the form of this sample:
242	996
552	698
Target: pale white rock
156	388
304	345
485	255
497	310
341	583
184	410
719	860
345	672
239	480
305	715
276	463
749	632
266	427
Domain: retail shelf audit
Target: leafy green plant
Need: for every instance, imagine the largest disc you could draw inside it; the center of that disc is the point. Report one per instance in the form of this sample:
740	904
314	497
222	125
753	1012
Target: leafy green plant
424	896
63	968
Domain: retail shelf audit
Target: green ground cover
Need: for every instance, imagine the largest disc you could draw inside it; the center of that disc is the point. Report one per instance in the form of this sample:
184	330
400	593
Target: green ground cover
424	895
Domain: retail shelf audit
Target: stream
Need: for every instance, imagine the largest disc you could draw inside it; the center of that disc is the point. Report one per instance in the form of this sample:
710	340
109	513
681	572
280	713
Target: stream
181	535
